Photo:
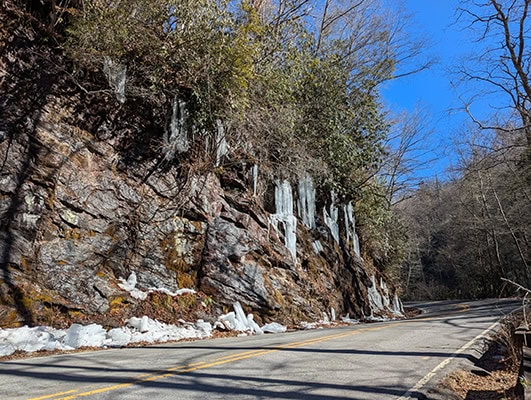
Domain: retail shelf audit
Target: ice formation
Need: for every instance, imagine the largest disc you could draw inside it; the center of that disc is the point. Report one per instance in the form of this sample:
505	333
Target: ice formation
255	178
381	301
116	74
306	201
137	330
284	215
222	147
238	321
375	298
178	292
385	296
274	327
350	227
397	307
331	219
129	285
177	141
348	320
317	246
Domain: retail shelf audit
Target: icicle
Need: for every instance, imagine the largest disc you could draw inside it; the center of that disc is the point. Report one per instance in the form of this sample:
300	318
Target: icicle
385	298
283	198
306	201
331	219
116	74
350	223
284	215
375	298
290	234
178	138
222	147
317	246
357	245
347	222
255	178
397	307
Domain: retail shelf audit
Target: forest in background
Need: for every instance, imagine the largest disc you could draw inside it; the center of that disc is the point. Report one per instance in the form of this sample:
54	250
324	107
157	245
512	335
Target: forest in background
469	234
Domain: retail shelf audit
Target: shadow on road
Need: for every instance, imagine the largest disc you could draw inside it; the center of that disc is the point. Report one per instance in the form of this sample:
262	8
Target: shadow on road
202	383
217	382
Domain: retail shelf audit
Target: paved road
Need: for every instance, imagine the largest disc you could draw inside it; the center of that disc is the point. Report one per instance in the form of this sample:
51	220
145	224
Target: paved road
368	361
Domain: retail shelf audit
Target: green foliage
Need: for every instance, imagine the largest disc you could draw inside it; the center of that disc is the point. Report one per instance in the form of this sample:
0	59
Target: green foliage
294	97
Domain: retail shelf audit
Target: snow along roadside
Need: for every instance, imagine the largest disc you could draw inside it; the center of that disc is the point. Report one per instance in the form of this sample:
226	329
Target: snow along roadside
136	330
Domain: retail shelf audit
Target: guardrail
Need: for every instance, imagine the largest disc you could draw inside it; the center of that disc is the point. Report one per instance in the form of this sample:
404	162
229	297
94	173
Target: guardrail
523	335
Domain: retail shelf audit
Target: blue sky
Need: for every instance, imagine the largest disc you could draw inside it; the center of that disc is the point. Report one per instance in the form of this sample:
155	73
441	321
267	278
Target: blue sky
431	90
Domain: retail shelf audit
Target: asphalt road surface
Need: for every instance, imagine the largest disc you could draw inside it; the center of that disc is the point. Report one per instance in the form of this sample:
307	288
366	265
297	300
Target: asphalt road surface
389	360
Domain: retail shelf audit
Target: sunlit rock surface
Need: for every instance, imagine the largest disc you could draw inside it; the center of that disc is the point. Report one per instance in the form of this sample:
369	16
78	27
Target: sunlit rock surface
88	195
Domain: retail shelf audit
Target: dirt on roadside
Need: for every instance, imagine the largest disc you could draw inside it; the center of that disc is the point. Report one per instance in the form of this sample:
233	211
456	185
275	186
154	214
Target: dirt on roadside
493	377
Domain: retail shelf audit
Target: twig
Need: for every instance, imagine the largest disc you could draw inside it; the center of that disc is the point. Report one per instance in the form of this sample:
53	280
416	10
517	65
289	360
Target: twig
517	285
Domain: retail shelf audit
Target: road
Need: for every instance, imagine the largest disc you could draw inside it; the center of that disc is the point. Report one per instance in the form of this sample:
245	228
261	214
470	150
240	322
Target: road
389	360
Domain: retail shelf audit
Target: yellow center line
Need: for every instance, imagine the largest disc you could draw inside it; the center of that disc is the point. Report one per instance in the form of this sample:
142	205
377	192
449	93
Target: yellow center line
53	395
202	365
177	370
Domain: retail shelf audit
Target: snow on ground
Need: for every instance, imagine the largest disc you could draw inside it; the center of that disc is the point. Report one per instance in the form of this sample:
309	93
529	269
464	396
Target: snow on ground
136	330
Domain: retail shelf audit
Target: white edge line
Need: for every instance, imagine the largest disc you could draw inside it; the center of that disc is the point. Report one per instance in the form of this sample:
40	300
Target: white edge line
444	363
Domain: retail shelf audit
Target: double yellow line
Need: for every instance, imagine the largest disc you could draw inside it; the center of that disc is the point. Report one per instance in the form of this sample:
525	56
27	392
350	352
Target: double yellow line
182	369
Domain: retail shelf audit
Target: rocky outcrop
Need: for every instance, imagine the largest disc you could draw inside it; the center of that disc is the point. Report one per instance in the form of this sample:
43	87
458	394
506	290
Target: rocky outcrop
85	200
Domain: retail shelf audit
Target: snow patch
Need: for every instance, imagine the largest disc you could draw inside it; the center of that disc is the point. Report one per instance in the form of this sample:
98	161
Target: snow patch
129	285
274	327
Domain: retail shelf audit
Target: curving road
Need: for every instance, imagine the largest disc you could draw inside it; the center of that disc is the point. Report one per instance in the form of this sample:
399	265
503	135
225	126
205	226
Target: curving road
390	360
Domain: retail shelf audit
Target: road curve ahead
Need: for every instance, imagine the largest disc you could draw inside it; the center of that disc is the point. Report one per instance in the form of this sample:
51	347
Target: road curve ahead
389	360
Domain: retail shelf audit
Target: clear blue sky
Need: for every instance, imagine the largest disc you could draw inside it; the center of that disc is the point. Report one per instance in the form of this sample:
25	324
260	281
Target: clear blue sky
431	90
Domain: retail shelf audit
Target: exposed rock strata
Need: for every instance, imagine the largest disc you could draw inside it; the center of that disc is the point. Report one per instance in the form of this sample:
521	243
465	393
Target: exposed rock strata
84	201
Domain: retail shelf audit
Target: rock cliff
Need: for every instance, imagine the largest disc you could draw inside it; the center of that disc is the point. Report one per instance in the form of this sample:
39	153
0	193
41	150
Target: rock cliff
86	199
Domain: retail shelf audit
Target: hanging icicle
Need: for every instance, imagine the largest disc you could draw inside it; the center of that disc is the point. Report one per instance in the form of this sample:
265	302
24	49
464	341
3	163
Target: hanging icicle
350	226
284	215
306	201
254	171
375	298
116	74
331	220
222	147
177	140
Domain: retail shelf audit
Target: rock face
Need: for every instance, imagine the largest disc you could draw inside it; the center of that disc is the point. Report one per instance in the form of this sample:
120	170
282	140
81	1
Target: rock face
84	200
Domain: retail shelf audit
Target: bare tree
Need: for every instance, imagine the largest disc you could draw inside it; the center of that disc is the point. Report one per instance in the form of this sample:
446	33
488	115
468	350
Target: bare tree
407	154
503	30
